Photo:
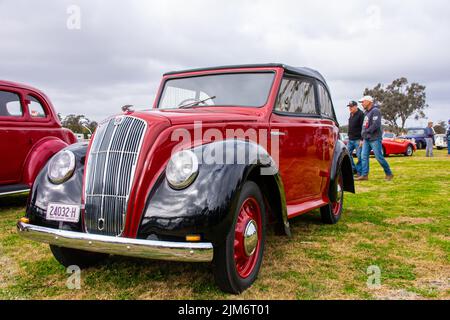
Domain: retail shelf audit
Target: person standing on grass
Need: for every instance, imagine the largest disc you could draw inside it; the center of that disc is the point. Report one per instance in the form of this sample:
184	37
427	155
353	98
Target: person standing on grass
429	139
355	123
371	139
448	138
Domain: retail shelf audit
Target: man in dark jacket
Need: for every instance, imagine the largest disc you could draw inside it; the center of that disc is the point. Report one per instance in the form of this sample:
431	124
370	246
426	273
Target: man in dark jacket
372	136
355	123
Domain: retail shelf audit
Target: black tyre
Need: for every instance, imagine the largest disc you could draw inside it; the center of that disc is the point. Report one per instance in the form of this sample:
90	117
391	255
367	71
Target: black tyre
82	259
331	213
409	151
237	261
420	145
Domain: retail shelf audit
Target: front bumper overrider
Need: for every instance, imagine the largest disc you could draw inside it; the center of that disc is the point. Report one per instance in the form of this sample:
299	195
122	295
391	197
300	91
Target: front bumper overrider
149	249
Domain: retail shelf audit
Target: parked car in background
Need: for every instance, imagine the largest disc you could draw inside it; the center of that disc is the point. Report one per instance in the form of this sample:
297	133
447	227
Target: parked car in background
440	141
150	185
389	135
417	135
344	137
30	134
393	146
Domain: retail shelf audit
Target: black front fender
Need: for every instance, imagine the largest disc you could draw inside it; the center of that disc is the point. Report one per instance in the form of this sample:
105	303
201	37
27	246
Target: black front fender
207	206
44	192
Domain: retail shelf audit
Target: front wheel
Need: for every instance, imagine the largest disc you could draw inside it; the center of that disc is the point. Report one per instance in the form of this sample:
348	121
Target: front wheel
409	151
237	261
331	213
70	257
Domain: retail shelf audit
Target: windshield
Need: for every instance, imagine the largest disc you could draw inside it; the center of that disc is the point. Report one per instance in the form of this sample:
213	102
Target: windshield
416	132
388	135
236	89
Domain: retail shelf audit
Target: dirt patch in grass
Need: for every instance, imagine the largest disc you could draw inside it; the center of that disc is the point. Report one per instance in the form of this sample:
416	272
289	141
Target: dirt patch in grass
410	220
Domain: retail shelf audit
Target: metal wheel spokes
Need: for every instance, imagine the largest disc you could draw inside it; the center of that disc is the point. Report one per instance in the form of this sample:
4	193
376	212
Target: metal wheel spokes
247	237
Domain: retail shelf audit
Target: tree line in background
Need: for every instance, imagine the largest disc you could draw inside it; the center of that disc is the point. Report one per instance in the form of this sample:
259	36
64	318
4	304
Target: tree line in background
398	102
74	123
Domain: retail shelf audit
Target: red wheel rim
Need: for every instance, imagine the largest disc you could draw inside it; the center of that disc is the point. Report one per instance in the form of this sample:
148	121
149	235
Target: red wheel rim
249	213
337	205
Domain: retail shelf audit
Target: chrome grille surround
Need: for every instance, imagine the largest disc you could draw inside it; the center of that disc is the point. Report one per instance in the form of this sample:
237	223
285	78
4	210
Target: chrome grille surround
110	172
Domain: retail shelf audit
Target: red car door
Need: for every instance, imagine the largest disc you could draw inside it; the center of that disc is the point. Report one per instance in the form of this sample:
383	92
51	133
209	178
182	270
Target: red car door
14	142
329	132
296	123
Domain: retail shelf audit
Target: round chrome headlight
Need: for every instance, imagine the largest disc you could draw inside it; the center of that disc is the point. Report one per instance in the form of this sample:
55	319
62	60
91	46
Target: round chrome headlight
182	169
61	167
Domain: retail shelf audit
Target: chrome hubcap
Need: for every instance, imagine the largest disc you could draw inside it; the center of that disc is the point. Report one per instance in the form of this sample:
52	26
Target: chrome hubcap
250	238
339	193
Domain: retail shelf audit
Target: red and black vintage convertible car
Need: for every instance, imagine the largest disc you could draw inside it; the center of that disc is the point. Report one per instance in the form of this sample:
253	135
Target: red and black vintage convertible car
224	153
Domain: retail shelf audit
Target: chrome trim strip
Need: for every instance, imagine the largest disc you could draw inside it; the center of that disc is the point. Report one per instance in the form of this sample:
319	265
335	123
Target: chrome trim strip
149	249
14	192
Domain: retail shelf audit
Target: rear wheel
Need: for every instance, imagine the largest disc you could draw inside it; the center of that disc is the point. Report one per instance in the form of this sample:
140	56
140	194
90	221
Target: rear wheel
82	259
331	213
419	145
409	151
238	260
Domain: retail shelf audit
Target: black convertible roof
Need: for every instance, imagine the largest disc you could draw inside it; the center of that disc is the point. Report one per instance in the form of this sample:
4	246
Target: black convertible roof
303	71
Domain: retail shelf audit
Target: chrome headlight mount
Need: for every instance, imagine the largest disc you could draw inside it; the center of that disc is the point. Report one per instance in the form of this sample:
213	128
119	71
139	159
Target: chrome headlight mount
61	167
182	169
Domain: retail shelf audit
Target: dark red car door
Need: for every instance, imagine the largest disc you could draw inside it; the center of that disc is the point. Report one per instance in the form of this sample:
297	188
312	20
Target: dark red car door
14	142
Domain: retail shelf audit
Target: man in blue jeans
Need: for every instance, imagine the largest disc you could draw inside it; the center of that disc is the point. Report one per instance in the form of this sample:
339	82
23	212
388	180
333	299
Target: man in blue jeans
355	123
372	136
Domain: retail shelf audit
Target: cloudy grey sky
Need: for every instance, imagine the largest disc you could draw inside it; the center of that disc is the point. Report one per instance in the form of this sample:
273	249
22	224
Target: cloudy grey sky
122	48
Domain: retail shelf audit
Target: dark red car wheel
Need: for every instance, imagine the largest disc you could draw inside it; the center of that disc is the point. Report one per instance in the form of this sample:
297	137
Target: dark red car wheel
247	237
331	213
237	262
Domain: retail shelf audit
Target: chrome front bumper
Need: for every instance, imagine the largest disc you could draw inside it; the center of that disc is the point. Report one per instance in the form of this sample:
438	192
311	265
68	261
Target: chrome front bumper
150	249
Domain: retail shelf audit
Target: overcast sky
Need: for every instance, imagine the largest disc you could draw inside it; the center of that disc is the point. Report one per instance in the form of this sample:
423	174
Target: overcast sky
121	48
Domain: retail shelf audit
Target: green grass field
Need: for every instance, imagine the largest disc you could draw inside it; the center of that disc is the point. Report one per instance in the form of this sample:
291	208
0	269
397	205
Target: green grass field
401	227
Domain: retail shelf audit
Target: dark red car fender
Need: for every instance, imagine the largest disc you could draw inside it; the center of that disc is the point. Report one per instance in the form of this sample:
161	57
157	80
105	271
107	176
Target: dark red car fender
38	156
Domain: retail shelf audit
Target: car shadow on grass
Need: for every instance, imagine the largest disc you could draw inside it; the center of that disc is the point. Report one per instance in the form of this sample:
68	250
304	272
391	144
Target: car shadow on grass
13	201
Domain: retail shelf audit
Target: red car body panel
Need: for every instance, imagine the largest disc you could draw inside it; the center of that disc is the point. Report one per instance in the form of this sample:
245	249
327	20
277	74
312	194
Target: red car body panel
28	142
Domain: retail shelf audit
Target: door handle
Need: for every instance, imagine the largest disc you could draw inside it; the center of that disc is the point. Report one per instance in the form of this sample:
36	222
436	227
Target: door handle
277	133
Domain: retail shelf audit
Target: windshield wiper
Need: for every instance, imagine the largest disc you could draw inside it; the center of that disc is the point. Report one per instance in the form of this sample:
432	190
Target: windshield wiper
196	103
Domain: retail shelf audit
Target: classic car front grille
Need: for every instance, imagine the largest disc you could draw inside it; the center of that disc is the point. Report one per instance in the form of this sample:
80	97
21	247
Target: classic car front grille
110	172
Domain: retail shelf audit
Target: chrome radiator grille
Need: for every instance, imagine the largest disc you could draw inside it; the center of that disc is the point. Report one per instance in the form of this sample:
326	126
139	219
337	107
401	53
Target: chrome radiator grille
110	172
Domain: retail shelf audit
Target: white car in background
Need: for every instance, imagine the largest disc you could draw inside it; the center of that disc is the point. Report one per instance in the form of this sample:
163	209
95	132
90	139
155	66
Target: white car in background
440	141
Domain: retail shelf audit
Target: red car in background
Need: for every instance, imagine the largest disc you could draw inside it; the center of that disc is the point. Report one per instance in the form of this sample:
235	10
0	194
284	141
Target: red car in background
30	134
394	145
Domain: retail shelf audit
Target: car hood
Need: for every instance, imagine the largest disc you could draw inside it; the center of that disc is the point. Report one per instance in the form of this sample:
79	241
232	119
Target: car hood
178	117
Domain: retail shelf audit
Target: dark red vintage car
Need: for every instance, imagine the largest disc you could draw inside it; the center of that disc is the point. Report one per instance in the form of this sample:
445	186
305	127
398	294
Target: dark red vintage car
30	134
224	153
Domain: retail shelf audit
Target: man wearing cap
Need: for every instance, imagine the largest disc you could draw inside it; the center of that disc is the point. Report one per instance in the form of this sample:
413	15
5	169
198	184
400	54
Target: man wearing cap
372	136
429	139
355	123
